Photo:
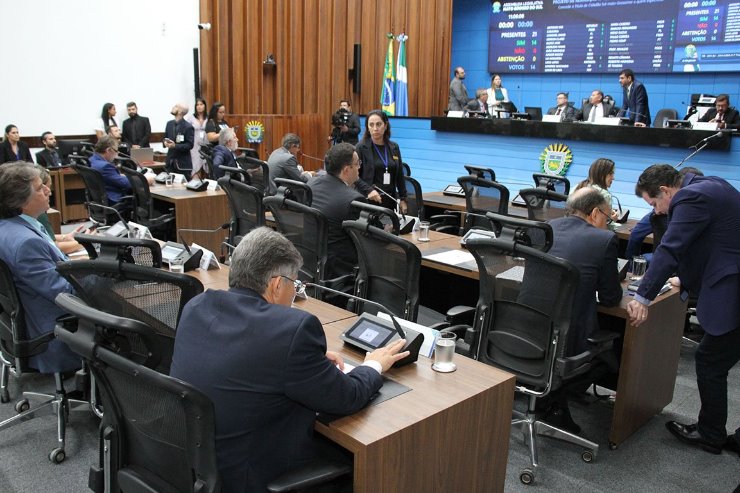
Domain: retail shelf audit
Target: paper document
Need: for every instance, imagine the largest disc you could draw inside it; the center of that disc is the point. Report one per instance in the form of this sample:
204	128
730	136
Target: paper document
451	257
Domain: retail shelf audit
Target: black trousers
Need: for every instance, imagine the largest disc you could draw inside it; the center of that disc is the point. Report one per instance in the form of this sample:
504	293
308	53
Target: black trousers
715	356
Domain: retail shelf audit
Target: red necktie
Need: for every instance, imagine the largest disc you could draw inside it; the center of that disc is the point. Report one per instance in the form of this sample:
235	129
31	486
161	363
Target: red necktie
558	113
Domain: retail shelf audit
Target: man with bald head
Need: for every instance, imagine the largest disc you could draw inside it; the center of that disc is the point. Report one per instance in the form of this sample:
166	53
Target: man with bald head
179	138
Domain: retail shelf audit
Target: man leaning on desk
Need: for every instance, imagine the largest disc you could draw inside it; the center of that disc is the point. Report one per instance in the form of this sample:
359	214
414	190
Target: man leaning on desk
265	366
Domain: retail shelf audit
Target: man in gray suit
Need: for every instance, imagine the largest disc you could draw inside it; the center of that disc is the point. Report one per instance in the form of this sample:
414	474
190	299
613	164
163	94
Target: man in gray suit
283	162
458	92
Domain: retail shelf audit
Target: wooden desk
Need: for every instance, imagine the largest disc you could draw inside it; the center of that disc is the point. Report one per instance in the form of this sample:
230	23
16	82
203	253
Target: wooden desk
449	433
69	194
440	202
197	210
650	354
55	219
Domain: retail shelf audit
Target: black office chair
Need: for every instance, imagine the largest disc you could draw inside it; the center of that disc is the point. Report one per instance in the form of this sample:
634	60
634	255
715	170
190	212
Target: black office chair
535	234
15	349
153	296
139	251
158	432
259	172
663	115
482	196
247	209
543	205
143	206
296	190
101	211
306	228
406	169
389	268
414	198
480	172
522	326
559	184
237	174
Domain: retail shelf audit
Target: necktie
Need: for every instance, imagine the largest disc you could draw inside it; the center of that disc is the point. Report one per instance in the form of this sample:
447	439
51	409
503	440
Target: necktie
559	111
592	116
719	117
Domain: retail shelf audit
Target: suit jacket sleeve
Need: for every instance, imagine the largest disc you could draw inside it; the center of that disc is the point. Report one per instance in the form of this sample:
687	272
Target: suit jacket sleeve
637	236
188	140
460	93
147	133
689	218
641	104
610	289
41	159
35	263
290	168
114	178
400	182
314	381
364	184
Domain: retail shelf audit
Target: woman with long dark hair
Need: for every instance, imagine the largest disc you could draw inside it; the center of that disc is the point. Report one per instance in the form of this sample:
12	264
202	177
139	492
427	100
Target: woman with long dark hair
198	119
12	148
601	177
380	163
216	122
107	119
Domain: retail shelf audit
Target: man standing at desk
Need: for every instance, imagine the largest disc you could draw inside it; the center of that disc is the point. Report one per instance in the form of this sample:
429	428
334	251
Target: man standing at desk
179	138
136	128
265	365
701	244
458	91
635	99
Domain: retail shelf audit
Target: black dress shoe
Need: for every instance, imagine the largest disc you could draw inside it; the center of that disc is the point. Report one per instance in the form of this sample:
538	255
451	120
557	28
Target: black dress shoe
690	434
732	445
560	417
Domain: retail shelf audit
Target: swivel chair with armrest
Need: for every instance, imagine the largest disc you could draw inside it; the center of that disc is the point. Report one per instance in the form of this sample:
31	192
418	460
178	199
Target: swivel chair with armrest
543	205
406	169
139	251
414	198
237	174
153	296
259	172
522	326
143	206
482	196
663	115
247	210
15	350
158	432
295	190
480	172
101	211
559	184
389	267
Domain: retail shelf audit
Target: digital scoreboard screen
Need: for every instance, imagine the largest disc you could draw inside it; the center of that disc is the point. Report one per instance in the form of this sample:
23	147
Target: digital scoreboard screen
606	36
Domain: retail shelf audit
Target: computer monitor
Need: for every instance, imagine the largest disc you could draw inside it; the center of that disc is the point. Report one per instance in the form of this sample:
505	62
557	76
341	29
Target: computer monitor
535	112
68	147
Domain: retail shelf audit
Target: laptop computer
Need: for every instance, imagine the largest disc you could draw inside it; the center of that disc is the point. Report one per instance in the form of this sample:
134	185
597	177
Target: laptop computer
143	154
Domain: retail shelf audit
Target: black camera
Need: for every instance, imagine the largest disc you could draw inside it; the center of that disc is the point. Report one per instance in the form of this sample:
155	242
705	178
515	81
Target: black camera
341	117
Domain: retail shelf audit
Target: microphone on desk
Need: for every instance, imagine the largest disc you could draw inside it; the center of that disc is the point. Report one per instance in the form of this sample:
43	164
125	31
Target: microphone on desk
413	339
713	136
193	261
130	233
408	224
632	113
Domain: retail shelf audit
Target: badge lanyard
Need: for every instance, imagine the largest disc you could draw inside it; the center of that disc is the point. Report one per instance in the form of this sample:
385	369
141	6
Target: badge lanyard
384	158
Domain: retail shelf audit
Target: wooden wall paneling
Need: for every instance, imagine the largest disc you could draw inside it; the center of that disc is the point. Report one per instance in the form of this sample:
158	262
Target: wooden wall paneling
237	73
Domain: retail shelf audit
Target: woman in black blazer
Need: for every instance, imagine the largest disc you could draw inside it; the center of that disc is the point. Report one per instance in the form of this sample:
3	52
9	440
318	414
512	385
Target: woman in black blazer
12	149
380	163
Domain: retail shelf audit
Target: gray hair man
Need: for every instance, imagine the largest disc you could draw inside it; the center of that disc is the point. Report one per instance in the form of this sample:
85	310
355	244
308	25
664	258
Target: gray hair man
283	161
265	365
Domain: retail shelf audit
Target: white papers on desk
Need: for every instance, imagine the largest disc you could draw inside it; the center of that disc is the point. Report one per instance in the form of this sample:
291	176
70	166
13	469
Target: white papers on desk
451	257
78	253
430	335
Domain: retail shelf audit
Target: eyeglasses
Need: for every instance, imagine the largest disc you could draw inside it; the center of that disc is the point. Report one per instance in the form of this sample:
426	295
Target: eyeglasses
608	217
300	288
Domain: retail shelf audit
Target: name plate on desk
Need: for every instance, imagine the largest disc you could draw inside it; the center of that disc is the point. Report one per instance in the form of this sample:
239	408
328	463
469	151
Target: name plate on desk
607	120
551	118
704	126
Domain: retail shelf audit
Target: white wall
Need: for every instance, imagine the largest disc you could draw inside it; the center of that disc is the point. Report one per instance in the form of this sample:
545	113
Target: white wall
62	60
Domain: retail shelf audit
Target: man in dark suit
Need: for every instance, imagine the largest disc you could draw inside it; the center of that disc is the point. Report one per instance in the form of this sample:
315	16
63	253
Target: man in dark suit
332	195
136	129
635	99
265	365
31	256
179	138
595	107
701	244
116	184
724	115
566	112
479	104
49	156
223	153
283	162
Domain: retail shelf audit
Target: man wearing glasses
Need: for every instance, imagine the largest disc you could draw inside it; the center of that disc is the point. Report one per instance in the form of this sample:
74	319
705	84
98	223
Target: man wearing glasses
265	365
583	239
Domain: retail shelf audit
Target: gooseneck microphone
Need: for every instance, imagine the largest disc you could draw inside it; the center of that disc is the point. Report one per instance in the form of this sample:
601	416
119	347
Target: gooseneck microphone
698	147
413	339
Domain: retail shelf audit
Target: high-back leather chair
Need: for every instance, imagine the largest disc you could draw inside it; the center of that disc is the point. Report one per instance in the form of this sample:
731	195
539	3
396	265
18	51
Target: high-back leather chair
543	205
143	205
247	209
482	196
559	184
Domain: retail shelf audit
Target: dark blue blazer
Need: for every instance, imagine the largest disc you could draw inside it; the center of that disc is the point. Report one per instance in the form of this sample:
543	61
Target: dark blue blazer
222	156
32	260
264	366
702	244
637	103
116	184
593	252
178	158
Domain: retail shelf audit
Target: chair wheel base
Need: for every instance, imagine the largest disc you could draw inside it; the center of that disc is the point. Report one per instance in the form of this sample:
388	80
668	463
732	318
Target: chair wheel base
4	398
587	456
526	476
22	406
57	455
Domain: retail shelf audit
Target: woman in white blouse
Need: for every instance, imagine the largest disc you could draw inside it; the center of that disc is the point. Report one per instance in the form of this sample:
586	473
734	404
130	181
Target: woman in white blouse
497	94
